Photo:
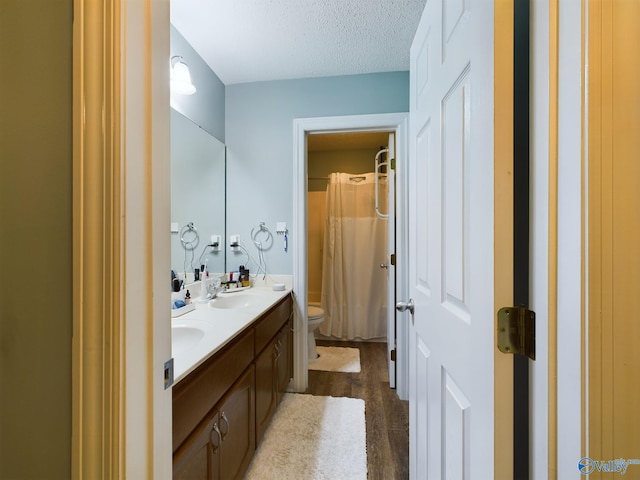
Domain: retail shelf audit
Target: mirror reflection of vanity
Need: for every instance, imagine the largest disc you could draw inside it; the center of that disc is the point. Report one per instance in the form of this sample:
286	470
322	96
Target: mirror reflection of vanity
198	172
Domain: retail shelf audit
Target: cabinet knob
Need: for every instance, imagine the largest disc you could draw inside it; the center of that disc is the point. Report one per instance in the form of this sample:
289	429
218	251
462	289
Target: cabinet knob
226	421
215	443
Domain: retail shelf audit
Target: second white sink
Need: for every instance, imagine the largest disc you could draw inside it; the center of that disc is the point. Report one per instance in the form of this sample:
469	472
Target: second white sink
183	338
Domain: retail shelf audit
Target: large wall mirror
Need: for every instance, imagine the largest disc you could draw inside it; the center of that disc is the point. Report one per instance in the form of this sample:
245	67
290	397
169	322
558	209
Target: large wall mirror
197	197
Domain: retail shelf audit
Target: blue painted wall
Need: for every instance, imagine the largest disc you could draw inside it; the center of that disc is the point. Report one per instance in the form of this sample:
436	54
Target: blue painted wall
206	106
259	138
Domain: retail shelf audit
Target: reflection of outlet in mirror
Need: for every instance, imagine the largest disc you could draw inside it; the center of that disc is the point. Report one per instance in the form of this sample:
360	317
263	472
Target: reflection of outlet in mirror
174	227
215	242
234	242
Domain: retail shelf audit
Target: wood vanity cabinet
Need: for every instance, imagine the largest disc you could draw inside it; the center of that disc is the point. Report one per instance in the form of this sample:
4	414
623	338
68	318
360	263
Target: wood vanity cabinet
217	407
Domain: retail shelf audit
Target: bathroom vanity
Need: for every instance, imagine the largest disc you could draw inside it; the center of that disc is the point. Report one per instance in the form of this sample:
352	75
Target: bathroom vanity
223	403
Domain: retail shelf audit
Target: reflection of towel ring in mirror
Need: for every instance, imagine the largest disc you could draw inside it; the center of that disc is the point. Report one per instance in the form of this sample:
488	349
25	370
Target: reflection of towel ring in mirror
261	237
189	236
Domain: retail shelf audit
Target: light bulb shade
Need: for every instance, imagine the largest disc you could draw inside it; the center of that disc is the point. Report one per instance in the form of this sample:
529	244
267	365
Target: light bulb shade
180	77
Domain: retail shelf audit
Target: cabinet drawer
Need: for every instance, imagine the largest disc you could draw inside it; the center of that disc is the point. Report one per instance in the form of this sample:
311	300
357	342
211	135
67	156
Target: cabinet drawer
272	322
196	395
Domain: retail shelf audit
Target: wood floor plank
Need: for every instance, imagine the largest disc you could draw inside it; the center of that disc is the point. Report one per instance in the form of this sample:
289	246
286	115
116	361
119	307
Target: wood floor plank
386	416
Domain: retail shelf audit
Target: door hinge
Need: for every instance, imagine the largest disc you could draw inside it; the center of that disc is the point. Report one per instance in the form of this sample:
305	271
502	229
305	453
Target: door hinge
392	164
393	355
392	259
517	331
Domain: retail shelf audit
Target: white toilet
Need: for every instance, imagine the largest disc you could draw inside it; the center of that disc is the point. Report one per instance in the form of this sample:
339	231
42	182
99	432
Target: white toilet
316	317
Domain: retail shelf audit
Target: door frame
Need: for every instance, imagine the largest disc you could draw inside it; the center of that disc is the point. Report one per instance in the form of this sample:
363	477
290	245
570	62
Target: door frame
121	410
145	406
393	122
571	208
558	121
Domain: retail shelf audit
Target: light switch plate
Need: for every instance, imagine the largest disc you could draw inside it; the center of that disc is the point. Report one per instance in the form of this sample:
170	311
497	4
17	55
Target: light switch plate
168	373
174	227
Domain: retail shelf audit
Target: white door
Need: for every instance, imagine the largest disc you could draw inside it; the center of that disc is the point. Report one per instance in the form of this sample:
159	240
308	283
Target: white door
451	189
389	265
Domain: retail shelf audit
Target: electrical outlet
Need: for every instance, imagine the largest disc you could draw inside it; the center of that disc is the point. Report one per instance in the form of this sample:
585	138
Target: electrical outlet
234	242
216	242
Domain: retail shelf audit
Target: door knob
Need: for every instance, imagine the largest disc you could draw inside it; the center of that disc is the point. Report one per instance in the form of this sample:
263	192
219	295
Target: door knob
402	306
384	265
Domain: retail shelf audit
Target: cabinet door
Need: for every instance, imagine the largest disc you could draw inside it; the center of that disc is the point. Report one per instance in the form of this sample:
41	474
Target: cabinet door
265	389
237	427
284	360
199	457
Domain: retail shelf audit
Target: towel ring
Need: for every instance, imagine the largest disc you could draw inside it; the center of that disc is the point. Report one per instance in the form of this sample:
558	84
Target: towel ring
261	237
192	241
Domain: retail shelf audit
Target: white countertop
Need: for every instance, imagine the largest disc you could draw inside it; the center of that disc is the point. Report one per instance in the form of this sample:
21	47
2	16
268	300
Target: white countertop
218	325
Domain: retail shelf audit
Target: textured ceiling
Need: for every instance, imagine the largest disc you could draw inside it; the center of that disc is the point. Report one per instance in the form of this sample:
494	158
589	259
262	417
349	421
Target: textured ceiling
258	40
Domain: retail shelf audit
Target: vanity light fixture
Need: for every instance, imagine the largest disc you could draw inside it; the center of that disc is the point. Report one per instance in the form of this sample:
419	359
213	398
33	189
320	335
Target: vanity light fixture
180	77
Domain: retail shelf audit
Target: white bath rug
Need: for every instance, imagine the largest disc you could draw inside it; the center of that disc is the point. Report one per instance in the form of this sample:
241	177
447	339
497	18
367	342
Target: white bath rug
337	359
313	437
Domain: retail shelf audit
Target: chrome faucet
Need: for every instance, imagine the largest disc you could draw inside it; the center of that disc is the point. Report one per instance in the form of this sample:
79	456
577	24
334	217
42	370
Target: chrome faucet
212	287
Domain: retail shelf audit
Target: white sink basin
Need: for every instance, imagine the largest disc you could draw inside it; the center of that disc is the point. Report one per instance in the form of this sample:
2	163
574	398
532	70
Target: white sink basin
238	300
183	338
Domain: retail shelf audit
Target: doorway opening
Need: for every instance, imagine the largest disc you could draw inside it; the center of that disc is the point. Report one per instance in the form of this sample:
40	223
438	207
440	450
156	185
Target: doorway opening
347	234
304	129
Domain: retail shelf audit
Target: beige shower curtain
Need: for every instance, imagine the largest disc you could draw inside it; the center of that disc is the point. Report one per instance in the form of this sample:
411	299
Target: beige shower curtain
354	287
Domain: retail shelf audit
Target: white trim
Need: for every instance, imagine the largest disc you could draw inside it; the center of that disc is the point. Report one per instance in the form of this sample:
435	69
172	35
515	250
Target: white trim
146	218
539	261
402	256
585	226
570	227
397	122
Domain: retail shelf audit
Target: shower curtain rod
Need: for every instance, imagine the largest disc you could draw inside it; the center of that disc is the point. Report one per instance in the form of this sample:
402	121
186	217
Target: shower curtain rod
353	177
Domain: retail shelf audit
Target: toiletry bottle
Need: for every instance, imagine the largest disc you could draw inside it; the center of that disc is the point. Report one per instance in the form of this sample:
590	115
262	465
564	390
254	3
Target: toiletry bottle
244	276
204	283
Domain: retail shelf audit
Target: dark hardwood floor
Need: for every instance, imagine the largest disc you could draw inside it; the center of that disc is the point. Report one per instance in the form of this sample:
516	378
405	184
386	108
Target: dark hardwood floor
387	417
